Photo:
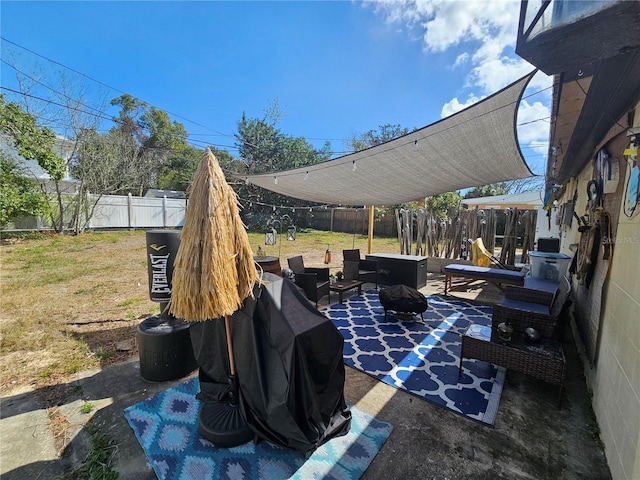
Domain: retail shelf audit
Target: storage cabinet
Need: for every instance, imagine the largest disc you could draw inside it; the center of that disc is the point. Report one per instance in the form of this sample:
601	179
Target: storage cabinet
395	269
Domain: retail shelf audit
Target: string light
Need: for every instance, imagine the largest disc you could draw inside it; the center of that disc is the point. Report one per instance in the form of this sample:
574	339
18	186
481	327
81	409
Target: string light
274	208
275	180
354	167
306	176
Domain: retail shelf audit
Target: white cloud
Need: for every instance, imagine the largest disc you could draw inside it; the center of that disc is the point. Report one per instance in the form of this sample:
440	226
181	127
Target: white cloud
487	30
454	105
533	124
493	74
461	59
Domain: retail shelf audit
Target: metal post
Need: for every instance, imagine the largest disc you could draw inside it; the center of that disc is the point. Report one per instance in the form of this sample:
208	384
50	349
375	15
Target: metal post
279	221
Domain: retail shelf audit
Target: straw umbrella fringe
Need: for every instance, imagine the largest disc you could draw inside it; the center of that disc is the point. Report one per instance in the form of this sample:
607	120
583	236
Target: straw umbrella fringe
214	269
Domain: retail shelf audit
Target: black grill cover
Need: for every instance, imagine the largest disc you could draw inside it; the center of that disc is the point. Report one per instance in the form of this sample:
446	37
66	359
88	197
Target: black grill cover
209	342
290	369
402	298
289	365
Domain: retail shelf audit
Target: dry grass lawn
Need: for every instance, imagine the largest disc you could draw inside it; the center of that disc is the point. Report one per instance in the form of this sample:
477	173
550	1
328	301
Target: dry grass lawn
69	303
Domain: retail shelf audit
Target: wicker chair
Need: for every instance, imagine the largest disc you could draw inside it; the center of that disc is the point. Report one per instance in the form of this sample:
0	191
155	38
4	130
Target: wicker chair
356	268
524	307
313	281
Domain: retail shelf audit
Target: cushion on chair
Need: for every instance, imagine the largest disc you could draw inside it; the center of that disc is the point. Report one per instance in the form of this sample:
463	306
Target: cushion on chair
525	306
484	272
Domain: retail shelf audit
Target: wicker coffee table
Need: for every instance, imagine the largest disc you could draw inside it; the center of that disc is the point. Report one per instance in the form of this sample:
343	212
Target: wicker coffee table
544	360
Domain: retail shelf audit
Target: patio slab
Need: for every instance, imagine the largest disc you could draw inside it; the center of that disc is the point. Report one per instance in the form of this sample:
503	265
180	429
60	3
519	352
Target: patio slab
531	440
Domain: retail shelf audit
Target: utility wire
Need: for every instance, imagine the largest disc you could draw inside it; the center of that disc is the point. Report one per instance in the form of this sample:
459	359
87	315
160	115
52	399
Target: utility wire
196	123
106	85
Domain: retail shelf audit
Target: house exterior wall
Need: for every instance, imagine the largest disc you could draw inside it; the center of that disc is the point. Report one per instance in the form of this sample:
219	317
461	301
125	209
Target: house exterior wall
616	378
611	351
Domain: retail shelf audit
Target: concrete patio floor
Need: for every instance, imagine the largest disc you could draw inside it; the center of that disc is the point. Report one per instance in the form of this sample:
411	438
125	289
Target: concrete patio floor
532	439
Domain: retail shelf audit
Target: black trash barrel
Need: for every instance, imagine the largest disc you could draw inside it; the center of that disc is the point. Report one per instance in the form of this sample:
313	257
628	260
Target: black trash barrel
164	344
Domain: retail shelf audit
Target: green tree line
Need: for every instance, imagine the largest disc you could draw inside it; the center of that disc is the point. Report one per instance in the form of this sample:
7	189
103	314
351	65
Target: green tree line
145	148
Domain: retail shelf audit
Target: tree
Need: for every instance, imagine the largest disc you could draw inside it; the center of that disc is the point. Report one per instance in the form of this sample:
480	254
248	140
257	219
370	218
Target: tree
529	184
147	140
444	206
264	148
33	143
20	196
520	185
181	167
67	112
179	170
487	190
385	133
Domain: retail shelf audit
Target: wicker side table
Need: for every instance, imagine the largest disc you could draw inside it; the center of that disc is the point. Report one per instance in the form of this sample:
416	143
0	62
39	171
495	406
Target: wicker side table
544	360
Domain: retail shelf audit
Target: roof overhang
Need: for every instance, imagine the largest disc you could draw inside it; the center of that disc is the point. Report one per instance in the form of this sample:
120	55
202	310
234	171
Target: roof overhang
593	49
585	108
476	146
562	36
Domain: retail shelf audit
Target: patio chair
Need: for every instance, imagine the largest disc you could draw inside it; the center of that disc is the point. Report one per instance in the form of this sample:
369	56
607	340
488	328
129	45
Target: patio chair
525	307
356	268
313	281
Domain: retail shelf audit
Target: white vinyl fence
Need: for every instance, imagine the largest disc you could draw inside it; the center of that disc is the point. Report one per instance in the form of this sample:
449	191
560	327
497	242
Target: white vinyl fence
115	211
119	211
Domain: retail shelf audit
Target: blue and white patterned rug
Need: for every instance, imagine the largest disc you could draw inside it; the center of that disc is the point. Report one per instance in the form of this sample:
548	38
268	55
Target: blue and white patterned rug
421	357
166	425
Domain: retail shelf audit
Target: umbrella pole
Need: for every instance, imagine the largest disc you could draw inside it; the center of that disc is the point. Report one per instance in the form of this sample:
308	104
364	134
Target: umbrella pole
221	422
232	364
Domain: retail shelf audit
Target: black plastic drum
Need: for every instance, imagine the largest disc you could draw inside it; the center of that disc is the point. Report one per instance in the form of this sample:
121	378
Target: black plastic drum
164	344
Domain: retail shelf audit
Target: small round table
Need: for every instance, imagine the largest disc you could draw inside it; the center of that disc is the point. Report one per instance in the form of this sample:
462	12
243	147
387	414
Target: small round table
269	264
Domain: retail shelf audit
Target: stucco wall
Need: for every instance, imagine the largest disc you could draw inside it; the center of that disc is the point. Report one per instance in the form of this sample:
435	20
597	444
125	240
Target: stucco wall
614	376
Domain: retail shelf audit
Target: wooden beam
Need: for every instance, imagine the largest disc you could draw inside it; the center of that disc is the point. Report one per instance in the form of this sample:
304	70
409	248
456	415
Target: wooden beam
370	238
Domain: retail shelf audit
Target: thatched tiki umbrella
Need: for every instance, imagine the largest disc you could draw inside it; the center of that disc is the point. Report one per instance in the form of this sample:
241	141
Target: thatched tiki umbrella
214	269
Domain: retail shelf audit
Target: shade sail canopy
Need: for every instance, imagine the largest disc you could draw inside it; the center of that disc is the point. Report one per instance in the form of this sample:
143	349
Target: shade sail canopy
476	146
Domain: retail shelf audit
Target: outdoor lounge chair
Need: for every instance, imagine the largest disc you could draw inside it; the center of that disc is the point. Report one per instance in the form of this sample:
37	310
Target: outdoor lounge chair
313	281
481	269
525	307
497	276
355	268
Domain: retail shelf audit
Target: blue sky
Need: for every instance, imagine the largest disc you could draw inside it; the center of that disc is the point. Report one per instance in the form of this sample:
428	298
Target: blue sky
337	69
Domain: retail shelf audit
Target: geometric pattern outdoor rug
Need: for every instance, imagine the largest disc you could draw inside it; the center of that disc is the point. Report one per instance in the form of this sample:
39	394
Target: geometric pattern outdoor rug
166	425
419	357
